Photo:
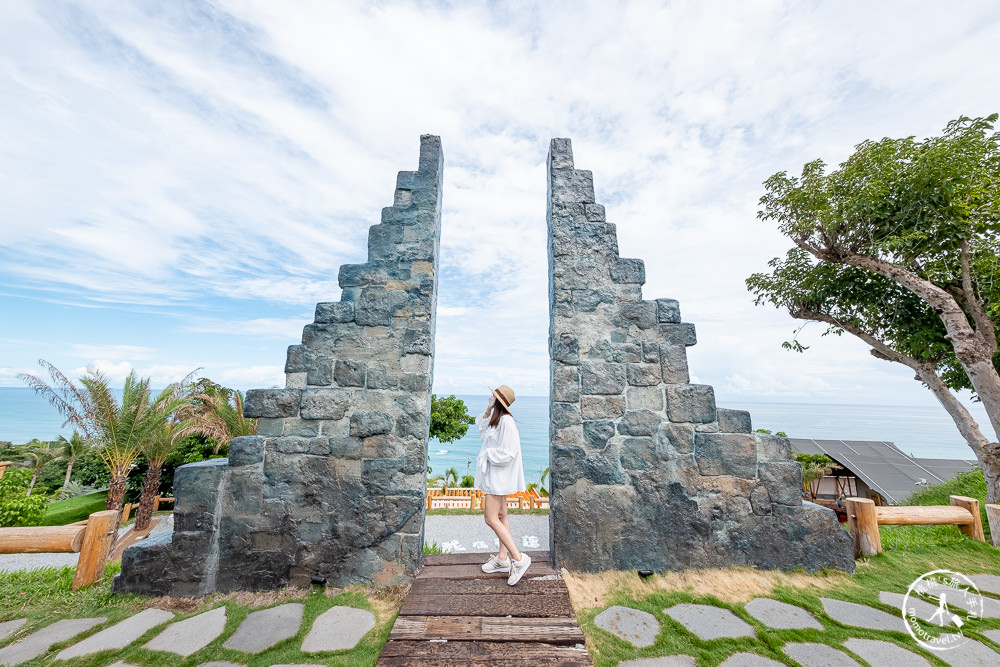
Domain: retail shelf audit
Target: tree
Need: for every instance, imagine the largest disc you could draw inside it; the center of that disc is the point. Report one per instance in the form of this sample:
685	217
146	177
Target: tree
900	246
72	449
814	468
216	412
39	455
18	508
450	419
450	477
156	448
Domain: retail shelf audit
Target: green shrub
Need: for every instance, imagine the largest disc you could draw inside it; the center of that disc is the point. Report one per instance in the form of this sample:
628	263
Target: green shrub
17	508
467	481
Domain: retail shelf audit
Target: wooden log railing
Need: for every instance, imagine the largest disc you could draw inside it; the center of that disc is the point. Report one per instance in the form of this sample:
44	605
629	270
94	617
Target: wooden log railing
4	465
91	539
864	518
463	498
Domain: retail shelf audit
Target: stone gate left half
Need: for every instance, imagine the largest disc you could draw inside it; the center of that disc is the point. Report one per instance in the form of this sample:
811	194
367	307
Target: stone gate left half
334	483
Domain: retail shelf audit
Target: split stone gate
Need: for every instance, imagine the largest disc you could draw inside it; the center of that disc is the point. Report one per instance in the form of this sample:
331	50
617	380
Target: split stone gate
646	471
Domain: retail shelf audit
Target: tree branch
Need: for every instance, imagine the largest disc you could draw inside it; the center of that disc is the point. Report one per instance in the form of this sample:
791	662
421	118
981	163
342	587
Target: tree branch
879	349
984	325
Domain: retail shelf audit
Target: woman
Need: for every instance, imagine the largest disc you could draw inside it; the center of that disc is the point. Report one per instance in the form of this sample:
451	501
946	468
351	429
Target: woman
499	472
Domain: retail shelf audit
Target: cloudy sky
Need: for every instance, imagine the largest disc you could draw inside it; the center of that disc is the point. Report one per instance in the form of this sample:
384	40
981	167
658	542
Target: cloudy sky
180	181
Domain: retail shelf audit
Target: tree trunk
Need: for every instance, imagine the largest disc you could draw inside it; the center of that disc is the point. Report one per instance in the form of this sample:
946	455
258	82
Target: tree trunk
150	489
31	486
69	471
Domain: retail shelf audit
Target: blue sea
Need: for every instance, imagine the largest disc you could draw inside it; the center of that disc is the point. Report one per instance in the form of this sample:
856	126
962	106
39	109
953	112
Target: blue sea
923	430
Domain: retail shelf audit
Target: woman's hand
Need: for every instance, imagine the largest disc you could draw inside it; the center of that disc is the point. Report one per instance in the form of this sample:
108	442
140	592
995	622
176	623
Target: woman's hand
489	406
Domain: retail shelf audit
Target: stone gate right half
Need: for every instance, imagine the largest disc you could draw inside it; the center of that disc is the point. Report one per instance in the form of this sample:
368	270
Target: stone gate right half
646	472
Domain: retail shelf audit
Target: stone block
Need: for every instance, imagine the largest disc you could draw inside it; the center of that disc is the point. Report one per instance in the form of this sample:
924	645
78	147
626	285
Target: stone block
783	480
678	437
246	450
572	186
668	311
602	407
565	383
597	377
673	364
566	349
325	403
338	628
365	424
362	275
350	373
650	352
196	487
645	398
638	453
417	341
760	501
734	421
319	373
691	403
414	382
630	353
595	212
678	334
263	629
731	454
587	300
565	414
379	378
629	270
560	154
345	447
639	628
639	422
572	435
295	360
334	312
597	433
639	313
642	375
376	306
271	403
773	448
270	426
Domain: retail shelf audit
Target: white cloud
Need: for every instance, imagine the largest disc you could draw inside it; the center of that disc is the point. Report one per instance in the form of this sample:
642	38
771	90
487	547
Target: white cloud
288	329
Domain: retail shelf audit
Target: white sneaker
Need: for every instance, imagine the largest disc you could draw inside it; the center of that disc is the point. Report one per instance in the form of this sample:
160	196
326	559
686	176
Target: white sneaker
518	568
494	564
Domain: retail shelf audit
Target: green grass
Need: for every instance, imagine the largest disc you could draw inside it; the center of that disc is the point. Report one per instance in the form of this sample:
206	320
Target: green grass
44	596
76	509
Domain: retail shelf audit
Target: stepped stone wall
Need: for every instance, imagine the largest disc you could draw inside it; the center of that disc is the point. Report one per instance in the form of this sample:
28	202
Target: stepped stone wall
646	471
333	485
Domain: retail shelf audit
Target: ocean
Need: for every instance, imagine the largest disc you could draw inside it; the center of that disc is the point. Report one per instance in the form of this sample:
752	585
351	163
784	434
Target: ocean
924	431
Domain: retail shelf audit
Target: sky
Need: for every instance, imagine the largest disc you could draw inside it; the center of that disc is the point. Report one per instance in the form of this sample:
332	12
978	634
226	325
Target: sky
180	181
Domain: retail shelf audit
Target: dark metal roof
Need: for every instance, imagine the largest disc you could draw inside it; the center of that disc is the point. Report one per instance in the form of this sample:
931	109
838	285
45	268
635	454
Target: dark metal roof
883	467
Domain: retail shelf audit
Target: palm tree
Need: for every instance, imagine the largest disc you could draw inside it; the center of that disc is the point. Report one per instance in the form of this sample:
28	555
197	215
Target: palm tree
450	475
39	456
541	482
156	449
118	429
72	449
217	413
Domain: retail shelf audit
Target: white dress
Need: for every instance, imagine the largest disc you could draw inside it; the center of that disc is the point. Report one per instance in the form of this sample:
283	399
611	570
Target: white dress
498	467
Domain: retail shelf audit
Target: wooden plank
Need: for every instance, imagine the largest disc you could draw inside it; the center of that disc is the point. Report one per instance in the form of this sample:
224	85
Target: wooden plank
481	654
923	515
475	572
489	604
97	537
479	558
485	628
493	585
41	539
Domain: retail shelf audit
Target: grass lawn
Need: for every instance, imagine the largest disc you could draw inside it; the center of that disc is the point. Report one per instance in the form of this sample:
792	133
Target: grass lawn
71	510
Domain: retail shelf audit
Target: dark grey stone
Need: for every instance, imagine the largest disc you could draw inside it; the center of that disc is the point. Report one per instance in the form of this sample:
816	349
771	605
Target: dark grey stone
734	421
818	655
639	422
119	635
350	373
296	360
598	377
40	641
635	626
678	334
668	311
628	271
271	403
597	433
336	311
246	450
376	306
566	348
861	616
733	454
602	407
783	481
691	403
781	615
364	424
189	636
708	622
595	212
760	501
566	414
325	403
673	364
338	628
642	375
565	383
773	448
640	313
263	629
878	652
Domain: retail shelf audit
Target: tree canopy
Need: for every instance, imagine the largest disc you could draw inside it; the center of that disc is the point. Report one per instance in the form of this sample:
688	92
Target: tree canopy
450	420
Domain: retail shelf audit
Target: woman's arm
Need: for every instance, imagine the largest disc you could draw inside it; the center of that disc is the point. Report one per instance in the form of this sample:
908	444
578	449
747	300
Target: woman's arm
510	443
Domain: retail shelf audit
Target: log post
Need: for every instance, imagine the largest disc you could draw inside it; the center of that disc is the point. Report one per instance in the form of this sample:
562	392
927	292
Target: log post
993	517
975	529
97	537
3	466
863	524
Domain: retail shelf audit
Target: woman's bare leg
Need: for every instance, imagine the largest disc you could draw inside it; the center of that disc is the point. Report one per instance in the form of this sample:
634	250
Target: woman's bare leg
494	506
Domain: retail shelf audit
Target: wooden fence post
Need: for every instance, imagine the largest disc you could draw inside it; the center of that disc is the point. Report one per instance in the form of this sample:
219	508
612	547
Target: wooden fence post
863	524
975	529
97	537
3	466
993	516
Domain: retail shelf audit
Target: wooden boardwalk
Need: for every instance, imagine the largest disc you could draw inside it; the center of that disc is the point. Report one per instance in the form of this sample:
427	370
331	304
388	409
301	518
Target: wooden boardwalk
457	615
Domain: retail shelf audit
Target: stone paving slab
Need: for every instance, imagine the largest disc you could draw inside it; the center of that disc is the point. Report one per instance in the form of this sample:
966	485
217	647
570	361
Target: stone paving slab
633	625
991	607
750	660
298	665
708	622
921	608
818	655
220	663
861	616
338	628
192	634
969	653
781	615
39	641
993	635
119	635
9	627
884	654
987	583
123	664
662	661
265	628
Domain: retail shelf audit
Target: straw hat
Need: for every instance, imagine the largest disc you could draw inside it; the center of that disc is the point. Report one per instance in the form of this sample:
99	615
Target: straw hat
504	394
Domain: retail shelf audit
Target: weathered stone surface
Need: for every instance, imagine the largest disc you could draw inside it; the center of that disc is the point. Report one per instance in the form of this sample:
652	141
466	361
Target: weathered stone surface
749	660
263	629
661	661
988	583
10	627
818	655
781	615
119	635
678	476
39	641
192	634
967	652
708	622
633	625
332	485
861	616
338	628
883	654
783	480
220	663
914	605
